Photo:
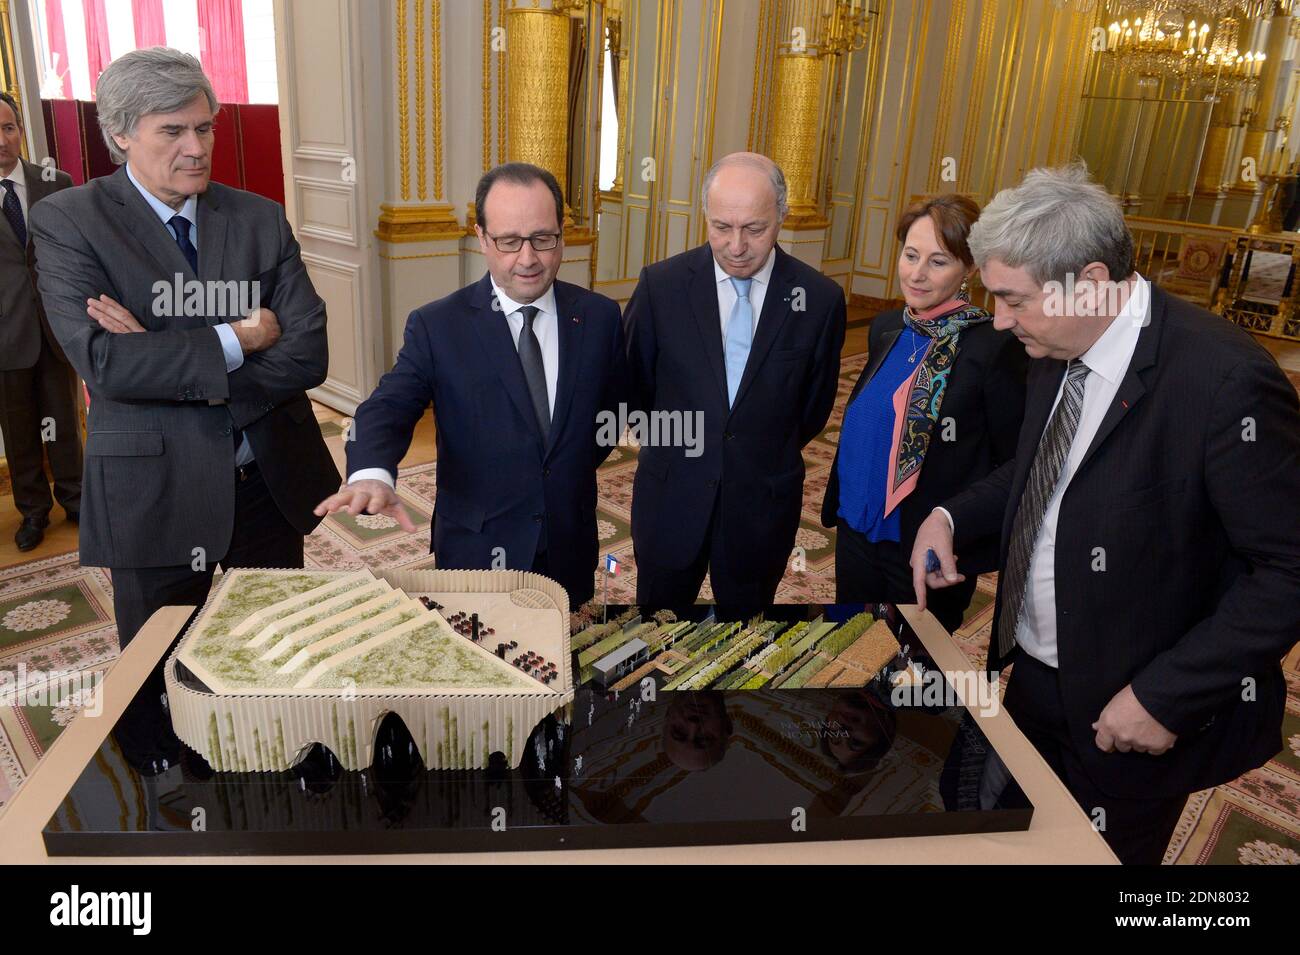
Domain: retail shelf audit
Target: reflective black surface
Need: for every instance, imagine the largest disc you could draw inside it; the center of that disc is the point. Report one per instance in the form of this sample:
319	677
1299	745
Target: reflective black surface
643	767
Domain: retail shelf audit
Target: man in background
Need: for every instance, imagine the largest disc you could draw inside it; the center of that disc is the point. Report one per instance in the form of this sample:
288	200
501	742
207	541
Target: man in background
38	388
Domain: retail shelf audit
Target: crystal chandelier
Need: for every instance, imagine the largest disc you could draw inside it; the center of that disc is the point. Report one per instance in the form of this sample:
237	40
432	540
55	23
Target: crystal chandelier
1221	66
1161	44
1153	45
1208	9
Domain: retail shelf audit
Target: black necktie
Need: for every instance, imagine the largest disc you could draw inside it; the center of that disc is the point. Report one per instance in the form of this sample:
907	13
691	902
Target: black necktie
181	225
14	212
530	356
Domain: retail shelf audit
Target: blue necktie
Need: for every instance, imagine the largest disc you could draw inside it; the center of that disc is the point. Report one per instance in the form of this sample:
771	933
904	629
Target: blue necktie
739	336
181	226
14	212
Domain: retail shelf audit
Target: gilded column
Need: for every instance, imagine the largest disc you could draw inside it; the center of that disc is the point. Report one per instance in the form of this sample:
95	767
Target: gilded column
1215	158
1214	171
1260	139
537	106
537	85
794	131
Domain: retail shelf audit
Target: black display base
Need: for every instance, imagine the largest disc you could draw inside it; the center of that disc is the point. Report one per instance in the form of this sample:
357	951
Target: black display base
642	768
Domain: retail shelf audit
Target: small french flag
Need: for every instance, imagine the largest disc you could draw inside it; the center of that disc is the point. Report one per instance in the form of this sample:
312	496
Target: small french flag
611	565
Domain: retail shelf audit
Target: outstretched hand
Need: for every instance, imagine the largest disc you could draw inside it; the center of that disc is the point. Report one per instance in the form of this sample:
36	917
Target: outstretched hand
366	497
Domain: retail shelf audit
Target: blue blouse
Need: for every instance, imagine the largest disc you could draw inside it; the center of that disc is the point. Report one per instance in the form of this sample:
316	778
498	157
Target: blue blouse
865	440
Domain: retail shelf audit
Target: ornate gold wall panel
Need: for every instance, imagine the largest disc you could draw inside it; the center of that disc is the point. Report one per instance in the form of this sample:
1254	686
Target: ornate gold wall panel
436	73
487	85
418	46
422	223
501	86
421	149
403	102
762	79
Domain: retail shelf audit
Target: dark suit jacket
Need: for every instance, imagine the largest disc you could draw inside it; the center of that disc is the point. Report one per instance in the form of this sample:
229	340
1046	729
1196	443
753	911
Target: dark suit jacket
160	455
1190	486
985	397
22	318
499	485
754	449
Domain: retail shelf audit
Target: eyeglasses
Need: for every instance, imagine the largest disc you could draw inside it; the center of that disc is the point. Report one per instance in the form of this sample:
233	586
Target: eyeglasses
541	242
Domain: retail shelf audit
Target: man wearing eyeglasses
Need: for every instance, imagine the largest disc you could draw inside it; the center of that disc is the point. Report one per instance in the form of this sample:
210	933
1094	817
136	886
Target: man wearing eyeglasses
517	367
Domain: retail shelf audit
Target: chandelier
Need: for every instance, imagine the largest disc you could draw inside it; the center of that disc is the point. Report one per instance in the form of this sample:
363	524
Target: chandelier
1209	9
1221	66
1161	45
1153	45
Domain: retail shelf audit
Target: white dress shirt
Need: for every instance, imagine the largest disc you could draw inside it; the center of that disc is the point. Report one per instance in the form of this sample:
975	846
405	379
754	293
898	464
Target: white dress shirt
230	347
1107	360
19	178
757	292
545	327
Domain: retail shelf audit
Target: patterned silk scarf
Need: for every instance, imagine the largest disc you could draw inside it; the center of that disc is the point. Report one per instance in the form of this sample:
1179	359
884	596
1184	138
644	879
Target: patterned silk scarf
917	400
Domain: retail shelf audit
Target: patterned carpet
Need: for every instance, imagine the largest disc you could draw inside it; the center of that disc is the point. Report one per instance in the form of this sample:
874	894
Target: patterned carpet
55	614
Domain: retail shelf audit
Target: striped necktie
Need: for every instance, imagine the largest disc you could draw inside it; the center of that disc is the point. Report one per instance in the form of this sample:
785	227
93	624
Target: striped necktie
1044	474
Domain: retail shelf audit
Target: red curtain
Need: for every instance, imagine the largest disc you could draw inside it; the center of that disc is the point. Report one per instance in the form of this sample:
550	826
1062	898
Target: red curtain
58	43
150	29
98	54
221	45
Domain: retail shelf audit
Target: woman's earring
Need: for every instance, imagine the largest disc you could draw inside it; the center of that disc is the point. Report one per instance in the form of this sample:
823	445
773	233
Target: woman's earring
964	291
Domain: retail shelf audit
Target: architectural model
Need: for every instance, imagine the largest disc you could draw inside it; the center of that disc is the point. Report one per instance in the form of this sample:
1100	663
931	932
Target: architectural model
280	659
734	655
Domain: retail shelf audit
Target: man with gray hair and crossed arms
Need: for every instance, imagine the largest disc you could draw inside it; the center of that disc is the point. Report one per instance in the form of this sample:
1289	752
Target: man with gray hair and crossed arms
202	447
1150	560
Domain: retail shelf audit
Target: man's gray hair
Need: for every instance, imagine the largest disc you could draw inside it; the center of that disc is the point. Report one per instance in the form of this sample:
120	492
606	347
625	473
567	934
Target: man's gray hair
156	79
753	161
1053	224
